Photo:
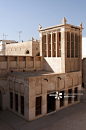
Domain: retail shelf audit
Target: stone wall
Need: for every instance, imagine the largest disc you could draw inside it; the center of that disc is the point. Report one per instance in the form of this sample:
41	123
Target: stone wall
40	87
52	64
30	48
19	63
84	72
19	85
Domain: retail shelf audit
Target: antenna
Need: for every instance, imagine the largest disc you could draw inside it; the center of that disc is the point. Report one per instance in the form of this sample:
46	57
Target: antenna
5	36
19	35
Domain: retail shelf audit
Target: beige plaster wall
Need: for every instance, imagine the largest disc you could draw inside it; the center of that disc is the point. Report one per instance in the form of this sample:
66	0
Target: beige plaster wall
40	87
22	47
19	48
52	64
19	85
19	63
73	64
35	48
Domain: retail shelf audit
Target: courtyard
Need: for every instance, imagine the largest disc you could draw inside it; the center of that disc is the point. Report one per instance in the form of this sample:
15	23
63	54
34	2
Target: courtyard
69	118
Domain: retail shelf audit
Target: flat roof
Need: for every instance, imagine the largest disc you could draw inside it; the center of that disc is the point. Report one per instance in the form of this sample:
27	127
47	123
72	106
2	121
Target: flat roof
8	40
73	26
33	73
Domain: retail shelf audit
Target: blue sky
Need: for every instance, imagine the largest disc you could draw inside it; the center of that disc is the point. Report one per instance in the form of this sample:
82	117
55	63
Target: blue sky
26	15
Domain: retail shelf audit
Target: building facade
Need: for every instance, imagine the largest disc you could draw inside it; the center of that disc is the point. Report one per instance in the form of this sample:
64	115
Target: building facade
29	48
29	81
3	44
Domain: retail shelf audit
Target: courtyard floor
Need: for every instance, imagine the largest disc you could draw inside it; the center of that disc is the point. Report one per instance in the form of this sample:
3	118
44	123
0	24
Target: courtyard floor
70	118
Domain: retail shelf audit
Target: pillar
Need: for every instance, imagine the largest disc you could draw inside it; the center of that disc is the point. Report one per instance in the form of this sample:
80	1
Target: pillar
41	44
74	45
47	44
51	45
34	62
8	63
26	62
18	62
63	50
56	44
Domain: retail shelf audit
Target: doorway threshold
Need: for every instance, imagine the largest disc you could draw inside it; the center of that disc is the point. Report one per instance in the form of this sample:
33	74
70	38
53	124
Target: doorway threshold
50	113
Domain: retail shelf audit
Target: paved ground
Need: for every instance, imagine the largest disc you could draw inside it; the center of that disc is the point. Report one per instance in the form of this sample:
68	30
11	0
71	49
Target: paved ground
70	118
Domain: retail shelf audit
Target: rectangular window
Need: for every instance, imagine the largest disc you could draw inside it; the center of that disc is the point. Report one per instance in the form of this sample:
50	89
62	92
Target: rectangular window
68	44
59	44
22	105
62	99
38	105
11	100
49	45
54	44
69	94
76	45
72	45
44	43
16	102
83	85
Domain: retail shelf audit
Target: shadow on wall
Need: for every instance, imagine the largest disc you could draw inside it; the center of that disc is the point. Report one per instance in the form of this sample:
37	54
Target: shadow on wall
2	91
52	64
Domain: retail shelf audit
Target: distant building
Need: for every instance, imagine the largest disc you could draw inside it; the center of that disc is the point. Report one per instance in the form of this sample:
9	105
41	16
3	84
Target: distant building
3	44
29	48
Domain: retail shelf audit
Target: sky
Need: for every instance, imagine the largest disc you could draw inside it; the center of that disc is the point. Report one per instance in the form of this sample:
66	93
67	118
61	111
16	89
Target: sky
26	15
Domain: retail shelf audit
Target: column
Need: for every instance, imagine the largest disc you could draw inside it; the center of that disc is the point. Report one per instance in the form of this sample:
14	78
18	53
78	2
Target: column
47	44
63	50
80	50
34	62
70	45
41	63
26	62
73	95
8	63
56	44
51	45
41	44
79	92
18	62
57	90
66	92
78	53
66	42
66	98
74	45
26	102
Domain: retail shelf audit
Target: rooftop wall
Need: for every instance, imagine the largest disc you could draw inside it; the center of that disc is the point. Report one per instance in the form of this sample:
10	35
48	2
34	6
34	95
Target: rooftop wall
19	63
